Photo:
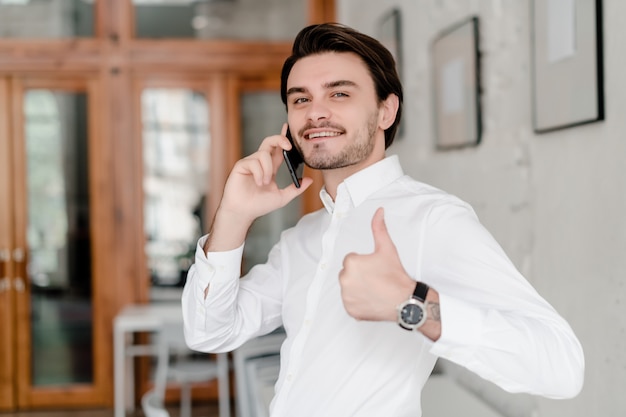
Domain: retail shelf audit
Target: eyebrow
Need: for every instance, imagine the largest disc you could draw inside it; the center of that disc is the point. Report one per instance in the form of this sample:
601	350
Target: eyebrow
327	86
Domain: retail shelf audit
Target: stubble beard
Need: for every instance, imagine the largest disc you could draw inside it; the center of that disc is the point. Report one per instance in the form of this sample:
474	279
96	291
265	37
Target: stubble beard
351	154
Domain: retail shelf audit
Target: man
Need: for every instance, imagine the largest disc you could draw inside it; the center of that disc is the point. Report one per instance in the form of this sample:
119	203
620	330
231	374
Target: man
388	276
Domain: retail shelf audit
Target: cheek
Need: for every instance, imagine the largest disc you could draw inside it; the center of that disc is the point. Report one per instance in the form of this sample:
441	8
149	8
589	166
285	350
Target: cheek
355	117
295	120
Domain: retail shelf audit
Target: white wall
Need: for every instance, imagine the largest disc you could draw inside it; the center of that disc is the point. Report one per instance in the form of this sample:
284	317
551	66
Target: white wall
554	201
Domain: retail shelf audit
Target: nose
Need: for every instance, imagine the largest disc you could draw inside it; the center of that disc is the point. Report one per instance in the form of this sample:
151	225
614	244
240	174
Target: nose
317	110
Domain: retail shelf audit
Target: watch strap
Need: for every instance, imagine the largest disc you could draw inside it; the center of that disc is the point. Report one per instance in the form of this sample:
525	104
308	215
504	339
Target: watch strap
420	291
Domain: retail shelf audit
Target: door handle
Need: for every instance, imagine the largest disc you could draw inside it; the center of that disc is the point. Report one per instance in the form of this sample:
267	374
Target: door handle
19	284
19	255
5	282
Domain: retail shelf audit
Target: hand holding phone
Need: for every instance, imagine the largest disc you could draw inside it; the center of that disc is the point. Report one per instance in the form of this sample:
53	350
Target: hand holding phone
294	161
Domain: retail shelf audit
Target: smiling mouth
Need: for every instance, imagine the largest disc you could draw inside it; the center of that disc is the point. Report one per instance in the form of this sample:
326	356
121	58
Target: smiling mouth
322	135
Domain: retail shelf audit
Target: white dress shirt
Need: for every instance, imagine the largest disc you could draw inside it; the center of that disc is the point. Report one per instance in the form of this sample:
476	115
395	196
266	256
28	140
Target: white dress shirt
493	322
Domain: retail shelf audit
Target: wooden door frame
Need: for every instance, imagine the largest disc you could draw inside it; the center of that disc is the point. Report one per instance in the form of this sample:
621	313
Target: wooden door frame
86	394
7	300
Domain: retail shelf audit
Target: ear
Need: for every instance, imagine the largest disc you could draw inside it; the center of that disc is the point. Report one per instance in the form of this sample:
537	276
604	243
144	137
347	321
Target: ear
388	110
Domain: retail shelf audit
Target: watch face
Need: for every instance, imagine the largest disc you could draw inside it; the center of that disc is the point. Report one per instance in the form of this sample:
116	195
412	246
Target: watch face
412	314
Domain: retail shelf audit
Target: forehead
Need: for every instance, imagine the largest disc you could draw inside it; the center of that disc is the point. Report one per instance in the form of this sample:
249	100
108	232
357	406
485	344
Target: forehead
316	70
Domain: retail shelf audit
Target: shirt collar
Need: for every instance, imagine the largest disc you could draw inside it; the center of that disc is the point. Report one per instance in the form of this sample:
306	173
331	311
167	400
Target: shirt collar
366	182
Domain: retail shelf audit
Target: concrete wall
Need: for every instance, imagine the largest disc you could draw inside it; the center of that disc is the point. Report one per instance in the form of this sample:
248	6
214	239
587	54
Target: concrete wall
555	201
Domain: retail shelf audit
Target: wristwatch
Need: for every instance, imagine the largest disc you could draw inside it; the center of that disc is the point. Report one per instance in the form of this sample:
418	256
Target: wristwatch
412	313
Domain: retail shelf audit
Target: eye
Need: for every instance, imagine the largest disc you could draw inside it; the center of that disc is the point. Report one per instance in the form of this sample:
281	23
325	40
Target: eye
340	94
300	100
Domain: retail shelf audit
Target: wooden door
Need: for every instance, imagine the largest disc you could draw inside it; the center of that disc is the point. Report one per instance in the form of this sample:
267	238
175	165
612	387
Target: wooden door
52	322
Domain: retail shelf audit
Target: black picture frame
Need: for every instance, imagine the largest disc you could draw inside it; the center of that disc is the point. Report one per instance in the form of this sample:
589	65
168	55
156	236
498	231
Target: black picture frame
456	86
567	64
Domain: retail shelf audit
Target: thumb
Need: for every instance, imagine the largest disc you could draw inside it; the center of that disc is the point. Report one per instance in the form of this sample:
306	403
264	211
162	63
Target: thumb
382	240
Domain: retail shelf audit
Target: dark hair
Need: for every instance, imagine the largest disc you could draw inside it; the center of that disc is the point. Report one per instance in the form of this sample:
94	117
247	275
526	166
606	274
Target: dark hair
334	37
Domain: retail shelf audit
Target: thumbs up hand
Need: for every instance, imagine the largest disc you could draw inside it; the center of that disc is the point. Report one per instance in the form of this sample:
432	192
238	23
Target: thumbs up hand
372	285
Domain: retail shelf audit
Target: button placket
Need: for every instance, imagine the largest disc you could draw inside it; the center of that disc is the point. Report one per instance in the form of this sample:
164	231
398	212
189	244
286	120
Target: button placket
312	301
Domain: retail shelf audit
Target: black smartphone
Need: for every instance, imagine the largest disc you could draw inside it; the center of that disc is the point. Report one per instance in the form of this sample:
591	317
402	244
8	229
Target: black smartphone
294	161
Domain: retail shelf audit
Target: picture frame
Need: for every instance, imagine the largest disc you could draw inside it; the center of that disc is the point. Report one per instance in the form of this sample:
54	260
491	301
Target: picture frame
390	35
567	64
456	86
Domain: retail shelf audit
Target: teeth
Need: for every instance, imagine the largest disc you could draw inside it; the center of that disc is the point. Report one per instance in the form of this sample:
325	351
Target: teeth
323	134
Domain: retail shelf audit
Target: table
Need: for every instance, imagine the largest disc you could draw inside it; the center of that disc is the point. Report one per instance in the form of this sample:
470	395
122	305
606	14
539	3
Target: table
133	319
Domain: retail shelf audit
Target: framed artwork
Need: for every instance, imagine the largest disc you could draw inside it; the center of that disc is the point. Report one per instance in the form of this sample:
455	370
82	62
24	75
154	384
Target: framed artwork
567	63
390	35
456	86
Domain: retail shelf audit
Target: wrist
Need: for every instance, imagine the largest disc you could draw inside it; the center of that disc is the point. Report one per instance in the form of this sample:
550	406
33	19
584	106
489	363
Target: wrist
402	288
432	326
421	311
228	231
412	312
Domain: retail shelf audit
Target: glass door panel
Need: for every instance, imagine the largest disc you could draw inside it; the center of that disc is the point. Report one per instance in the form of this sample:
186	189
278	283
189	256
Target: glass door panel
225	19
46	19
263	114
58	237
176	154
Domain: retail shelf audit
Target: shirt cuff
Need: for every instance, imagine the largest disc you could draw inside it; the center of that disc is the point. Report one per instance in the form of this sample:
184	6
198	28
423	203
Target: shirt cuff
216	268
461	327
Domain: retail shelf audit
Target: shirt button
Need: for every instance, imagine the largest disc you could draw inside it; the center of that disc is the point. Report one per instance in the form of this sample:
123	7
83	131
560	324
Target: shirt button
289	377
323	266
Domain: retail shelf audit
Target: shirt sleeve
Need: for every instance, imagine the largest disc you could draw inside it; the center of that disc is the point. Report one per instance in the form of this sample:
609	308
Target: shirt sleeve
234	310
493	321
